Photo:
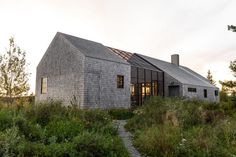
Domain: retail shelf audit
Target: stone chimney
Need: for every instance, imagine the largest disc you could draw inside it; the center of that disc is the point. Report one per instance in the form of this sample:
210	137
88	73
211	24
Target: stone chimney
175	59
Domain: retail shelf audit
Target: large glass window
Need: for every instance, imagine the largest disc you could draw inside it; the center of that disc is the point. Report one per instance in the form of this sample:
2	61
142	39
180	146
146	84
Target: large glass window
43	85
154	88
148	89
120	81
132	89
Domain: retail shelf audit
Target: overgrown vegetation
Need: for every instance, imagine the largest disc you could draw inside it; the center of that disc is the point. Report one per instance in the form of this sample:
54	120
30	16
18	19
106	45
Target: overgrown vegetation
180	127
53	130
121	113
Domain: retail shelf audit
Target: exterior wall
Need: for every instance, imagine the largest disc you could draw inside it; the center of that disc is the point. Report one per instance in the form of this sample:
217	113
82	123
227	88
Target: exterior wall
101	84
199	94
63	66
170	81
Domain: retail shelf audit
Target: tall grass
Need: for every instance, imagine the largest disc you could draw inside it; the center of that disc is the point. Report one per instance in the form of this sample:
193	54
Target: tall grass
53	130
180	127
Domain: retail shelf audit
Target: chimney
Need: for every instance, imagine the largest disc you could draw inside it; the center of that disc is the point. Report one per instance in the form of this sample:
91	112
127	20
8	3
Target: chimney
175	59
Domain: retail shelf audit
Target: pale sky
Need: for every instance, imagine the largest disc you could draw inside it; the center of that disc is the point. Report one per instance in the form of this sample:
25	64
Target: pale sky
195	29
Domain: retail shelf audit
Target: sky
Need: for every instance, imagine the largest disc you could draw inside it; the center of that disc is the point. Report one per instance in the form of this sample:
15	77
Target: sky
194	29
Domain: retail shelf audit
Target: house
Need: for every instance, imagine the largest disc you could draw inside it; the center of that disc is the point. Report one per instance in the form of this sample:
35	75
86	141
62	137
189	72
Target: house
96	76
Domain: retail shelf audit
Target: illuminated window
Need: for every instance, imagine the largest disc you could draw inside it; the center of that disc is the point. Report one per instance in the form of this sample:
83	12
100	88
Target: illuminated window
43	85
120	81
143	90
154	88
132	89
148	89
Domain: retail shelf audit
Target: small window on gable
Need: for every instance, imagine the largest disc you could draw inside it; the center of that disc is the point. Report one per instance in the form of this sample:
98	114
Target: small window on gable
216	93
205	93
192	90
43	85
120	81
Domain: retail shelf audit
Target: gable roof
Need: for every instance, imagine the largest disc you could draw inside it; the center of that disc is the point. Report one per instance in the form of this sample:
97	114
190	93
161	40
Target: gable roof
92	49
180	73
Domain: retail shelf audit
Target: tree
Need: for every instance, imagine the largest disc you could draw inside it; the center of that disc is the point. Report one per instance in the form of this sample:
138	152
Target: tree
232	66
210	78
230	85
13	75
232	27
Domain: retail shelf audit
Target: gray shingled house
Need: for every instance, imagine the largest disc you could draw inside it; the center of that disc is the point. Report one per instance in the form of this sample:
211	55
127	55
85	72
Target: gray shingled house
96	76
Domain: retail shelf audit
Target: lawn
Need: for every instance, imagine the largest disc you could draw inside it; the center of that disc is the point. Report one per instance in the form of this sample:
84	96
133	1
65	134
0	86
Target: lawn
180	128
53	130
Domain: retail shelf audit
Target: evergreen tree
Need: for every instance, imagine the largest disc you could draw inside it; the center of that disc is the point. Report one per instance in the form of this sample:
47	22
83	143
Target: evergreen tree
13	75
210	78
230	85
232	27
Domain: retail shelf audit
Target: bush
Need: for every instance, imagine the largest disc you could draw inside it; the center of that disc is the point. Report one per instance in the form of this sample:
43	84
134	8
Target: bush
121	114
50	129
43	113
6	120
63	131
88	144
158	140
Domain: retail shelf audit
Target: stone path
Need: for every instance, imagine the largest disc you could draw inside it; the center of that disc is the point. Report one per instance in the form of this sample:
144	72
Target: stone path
127	138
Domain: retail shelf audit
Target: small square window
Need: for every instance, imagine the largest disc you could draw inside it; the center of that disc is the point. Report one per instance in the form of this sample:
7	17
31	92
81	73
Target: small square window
120	81
192	90
43	85
216	93
205	93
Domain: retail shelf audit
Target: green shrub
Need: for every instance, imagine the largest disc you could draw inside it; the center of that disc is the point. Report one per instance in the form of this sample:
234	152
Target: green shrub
6	120
158	140
90	144
40	149
120	114
42	113
8	140
64	131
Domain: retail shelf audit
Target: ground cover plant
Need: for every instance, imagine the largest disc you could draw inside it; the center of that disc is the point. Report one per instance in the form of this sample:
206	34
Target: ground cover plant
53	130
179	127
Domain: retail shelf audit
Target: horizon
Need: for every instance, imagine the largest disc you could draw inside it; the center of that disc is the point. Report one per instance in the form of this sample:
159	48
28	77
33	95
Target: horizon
195	30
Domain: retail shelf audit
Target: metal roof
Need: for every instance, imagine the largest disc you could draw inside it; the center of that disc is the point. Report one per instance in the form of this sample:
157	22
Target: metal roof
180	73
134	59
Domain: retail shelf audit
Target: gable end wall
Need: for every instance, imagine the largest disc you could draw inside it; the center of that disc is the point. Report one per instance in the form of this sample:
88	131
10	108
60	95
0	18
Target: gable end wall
63	66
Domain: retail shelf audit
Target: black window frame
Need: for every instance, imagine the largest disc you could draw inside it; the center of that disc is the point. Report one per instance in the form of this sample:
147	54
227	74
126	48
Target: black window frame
193	90
205	93
216	93
120	81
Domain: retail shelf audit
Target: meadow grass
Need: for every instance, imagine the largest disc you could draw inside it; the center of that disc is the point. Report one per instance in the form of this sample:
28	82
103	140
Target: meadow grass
177	127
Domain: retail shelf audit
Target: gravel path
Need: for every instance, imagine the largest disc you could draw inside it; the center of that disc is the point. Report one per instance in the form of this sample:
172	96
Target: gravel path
127	138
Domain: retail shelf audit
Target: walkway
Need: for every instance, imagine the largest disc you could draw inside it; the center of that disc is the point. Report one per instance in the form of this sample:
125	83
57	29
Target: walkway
127	138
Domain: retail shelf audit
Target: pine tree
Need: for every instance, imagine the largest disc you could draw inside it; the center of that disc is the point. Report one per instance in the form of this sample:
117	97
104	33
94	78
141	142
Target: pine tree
230	85
13	75
210	78
232	27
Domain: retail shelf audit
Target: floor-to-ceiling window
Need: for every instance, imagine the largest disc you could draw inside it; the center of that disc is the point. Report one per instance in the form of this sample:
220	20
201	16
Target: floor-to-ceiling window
145	83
